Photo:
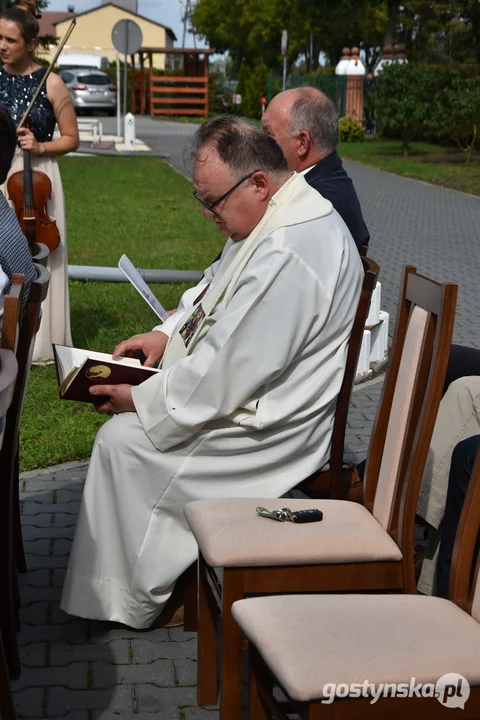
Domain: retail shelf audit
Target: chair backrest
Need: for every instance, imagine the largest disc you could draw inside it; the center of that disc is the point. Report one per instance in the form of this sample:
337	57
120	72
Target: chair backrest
371	270
463	592
409	403
12	312
8	376
40	253
24	352
363	250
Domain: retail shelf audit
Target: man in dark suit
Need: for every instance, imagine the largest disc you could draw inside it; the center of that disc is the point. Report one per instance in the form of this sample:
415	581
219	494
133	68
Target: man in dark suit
304	123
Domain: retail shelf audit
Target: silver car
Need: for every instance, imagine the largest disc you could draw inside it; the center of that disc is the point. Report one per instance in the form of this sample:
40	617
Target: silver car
91	90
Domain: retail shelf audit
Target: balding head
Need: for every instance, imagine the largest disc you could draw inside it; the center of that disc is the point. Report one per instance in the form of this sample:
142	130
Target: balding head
304	122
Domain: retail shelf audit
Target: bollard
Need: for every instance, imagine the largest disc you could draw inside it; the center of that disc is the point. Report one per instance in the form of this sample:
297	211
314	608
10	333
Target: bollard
129	125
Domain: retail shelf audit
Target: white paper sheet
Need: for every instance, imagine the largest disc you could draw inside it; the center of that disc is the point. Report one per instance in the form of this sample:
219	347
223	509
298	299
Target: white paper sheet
131	272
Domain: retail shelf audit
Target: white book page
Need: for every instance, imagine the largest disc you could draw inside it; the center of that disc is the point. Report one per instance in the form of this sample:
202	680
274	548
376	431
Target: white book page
131	272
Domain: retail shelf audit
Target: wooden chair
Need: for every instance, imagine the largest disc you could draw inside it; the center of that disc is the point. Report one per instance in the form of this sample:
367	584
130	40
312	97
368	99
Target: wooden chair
335	480
28	331
11	556
305	642
40	253
12	312
8	376
355	547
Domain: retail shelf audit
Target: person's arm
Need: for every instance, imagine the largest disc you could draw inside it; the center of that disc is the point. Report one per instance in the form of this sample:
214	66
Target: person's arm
66	120
3	285
244	350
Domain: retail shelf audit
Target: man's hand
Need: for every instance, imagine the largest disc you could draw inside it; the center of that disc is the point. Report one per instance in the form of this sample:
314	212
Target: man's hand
119	398
152	344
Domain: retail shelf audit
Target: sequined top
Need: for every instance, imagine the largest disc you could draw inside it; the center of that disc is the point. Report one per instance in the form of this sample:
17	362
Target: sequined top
16	92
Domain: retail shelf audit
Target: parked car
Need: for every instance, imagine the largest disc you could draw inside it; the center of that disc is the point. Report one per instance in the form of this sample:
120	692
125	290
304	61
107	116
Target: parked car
91	90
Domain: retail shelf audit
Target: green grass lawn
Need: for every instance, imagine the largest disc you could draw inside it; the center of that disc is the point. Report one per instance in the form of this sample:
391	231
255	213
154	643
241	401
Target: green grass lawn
431	163
137	206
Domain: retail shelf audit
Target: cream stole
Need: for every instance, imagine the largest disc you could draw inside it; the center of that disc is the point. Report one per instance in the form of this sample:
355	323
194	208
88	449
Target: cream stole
295	202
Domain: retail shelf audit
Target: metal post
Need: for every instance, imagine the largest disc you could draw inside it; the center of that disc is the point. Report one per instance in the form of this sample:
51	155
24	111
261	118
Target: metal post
119	104
284	71
125	79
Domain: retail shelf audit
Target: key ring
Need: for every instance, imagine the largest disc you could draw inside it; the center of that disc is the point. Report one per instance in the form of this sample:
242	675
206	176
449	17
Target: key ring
280	515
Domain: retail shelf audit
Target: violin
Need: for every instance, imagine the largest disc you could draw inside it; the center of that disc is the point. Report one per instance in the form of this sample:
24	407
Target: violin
29	190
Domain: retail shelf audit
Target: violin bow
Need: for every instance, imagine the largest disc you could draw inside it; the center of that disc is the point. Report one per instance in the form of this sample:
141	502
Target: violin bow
49	70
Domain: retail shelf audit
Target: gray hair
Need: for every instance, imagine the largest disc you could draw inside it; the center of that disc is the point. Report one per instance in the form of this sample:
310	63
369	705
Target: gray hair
315	112
241	145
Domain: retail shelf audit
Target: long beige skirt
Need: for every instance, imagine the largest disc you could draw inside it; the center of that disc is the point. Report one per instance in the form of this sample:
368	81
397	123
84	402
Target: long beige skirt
55	323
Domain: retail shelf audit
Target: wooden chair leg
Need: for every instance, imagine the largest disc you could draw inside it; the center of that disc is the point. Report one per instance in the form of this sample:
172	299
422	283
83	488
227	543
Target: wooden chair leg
191	600
232	648
258	679
17	524
207	651
7	707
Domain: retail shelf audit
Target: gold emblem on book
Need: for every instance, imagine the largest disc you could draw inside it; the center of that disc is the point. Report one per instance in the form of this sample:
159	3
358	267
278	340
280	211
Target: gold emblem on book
98	371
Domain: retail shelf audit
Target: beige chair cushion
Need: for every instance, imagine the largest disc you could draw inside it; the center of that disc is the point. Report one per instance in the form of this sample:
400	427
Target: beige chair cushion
231	534
311	640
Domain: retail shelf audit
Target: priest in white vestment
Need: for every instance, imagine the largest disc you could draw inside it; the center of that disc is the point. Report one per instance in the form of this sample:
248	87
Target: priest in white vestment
245	400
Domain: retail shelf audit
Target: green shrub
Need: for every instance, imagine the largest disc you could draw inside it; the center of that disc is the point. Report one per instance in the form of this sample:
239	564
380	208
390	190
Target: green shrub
350	130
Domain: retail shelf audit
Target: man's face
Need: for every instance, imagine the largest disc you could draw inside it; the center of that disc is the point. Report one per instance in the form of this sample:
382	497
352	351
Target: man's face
275	123
241	210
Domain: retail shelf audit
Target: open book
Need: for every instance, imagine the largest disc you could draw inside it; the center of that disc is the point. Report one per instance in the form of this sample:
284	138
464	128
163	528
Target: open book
78	369
131	272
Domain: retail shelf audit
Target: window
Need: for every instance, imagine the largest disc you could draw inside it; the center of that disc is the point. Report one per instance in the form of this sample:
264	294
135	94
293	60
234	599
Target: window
94	79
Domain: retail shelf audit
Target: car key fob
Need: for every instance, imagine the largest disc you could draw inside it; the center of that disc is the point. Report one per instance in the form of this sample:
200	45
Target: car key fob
306	516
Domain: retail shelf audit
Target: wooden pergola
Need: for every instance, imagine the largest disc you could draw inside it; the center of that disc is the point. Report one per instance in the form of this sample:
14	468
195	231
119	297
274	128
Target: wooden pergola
186	94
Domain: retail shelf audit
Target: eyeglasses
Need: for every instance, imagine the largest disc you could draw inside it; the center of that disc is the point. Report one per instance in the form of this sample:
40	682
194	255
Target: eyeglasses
211	206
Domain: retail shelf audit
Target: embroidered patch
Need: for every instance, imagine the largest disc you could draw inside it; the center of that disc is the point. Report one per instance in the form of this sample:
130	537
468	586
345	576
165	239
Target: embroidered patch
190	326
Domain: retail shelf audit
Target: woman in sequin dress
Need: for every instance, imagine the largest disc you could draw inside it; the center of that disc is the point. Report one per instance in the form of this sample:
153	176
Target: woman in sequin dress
19	78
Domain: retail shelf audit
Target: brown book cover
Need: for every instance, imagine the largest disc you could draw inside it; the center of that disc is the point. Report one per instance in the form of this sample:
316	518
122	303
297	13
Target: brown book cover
78	370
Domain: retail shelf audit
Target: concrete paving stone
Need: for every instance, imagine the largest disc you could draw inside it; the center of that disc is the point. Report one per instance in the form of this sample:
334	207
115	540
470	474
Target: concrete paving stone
185	671
75	632
104	632
59	617
200	714
158	673
114	652
69	495
40	546
34	507
58	577
61	701
29	594
64	520
62	547
29	703
35	578
71	475
41	520
46	561
165	701
35	614
34	654
178	634
30	532
145	651
72	676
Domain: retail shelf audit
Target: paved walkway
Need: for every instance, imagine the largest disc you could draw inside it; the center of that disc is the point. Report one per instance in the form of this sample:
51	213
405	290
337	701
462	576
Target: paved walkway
87	670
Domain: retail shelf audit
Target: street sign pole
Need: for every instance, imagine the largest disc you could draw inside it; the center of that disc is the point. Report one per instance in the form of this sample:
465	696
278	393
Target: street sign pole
284	53
119	106
127	40
125	78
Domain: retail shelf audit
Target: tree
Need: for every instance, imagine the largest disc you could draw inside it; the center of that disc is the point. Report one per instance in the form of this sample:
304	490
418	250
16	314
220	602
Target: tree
457	112
403	97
